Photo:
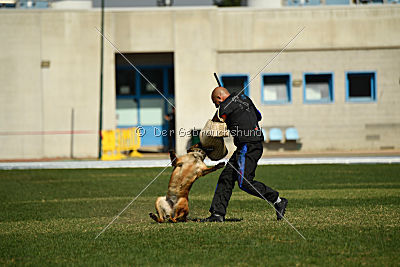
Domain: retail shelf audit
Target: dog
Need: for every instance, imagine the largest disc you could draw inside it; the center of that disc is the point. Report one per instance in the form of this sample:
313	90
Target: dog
174	207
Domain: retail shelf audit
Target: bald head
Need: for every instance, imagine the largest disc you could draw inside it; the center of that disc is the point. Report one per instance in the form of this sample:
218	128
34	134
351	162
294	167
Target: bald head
218	95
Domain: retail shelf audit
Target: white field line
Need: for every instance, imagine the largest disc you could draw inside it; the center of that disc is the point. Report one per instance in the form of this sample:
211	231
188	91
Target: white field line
163	162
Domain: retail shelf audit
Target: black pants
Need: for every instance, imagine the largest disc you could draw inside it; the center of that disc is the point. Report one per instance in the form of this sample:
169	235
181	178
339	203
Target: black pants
241	168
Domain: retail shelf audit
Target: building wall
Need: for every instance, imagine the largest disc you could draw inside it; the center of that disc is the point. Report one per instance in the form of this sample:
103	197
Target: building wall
36	102
20	85
334	40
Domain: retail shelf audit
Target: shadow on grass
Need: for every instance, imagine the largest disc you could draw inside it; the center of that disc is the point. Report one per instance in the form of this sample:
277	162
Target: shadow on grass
226	220
198	220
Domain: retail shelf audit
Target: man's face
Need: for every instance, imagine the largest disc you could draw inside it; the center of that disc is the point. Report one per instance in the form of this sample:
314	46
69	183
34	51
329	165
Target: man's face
217	100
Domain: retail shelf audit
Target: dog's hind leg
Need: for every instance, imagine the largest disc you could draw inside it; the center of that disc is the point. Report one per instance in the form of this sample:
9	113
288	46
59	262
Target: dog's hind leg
161	216
181	210
163	210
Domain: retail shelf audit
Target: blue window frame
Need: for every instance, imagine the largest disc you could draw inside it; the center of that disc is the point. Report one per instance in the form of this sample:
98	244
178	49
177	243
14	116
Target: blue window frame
235	83
7	5
318	88
303	3
276	88
361	86
34	4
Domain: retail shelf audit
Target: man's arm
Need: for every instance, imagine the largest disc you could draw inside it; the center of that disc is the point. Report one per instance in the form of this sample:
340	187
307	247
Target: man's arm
258	113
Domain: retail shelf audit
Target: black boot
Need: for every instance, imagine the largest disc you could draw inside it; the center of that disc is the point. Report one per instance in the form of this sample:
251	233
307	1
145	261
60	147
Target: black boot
280	208
214	218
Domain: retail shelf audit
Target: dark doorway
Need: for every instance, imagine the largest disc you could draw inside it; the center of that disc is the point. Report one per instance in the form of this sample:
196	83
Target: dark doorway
144	101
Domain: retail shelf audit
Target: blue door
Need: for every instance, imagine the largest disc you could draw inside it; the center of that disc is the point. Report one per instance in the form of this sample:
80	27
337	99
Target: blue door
140	103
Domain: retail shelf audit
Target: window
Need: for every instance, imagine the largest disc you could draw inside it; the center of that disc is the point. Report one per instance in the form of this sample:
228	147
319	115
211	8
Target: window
318	88
303	2
360	86
125	82
276	89
337	2
155	76
236	83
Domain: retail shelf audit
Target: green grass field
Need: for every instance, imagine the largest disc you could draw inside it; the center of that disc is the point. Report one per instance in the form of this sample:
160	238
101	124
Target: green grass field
350	215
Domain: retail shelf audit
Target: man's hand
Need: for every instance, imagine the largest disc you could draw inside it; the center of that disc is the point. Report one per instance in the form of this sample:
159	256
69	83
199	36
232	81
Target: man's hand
215	118
218	119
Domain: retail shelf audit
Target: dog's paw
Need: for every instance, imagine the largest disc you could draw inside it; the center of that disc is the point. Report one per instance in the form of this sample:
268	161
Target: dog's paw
220	165
153	216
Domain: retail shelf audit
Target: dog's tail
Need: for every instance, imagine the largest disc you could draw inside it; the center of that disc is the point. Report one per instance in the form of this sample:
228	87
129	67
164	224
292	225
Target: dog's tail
154	217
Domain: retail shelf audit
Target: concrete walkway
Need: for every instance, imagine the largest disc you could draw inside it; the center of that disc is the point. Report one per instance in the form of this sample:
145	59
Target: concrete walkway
140	163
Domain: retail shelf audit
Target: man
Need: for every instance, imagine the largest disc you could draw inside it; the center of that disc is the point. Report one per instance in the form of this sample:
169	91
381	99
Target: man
170	117
241	117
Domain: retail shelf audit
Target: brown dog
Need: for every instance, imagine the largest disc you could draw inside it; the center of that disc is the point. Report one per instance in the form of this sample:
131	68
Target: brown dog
187	169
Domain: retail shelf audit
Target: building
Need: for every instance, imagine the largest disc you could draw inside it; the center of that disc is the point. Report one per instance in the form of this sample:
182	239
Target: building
337	83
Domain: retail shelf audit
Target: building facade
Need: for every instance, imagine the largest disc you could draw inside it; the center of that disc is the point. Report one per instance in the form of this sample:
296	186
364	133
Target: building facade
331	73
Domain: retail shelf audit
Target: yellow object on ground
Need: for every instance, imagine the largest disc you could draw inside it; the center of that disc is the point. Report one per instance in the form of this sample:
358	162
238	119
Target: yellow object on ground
115	142
130	141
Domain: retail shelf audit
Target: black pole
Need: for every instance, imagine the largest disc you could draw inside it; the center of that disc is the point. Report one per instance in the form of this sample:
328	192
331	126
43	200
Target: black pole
101	77
216	78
